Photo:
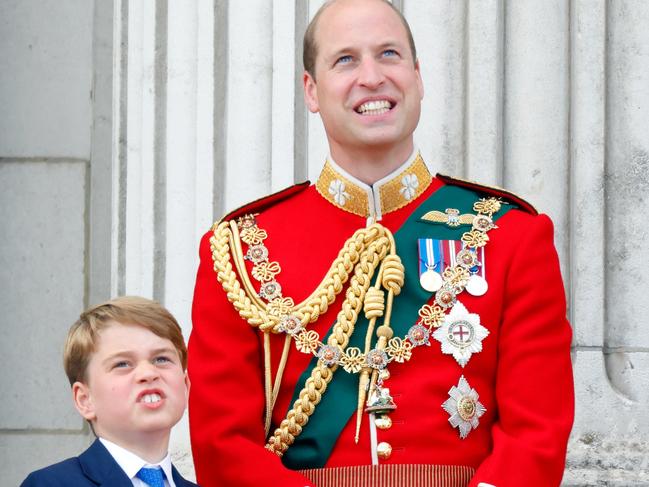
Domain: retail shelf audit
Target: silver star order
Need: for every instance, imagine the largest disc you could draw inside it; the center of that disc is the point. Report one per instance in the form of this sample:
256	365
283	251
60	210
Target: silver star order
463	408
461	334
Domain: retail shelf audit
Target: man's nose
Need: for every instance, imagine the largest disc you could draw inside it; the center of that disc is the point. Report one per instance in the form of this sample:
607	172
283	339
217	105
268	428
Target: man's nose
370	73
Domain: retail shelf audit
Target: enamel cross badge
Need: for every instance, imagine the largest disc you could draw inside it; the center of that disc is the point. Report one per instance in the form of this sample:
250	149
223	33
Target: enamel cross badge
461	334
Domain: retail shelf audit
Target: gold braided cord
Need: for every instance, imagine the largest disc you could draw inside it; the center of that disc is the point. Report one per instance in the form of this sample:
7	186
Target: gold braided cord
321	375
271	391
391	277
246	300
374	308
362	253
318	302
220	246
225	274
235	243
268	383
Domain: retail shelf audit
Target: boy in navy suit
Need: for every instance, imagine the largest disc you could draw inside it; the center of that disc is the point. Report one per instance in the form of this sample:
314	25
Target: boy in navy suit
126	361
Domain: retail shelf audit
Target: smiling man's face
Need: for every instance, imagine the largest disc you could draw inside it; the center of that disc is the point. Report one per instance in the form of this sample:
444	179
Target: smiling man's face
367	87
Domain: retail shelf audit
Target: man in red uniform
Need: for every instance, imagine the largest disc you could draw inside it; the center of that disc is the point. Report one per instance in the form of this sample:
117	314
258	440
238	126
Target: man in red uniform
383	326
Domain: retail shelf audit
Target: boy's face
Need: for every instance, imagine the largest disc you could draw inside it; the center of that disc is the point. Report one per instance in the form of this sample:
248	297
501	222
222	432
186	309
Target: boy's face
136	387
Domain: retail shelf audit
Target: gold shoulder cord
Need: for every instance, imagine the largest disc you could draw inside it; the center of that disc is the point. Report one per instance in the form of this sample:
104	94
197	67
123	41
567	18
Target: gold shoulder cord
362	254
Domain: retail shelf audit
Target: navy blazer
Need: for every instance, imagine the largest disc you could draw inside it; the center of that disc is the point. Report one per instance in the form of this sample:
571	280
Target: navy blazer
95	466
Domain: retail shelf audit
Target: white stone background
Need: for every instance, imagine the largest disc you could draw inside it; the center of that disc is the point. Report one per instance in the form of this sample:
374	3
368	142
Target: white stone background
126	128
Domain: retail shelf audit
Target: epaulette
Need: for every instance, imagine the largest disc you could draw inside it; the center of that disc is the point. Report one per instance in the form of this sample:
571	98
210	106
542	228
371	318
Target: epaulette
258	205
491	191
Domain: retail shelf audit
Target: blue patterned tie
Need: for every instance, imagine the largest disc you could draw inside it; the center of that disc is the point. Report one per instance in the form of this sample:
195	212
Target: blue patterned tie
152	476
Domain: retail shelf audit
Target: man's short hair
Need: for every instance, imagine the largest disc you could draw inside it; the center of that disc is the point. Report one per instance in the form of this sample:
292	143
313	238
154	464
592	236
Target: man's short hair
310	48
127	310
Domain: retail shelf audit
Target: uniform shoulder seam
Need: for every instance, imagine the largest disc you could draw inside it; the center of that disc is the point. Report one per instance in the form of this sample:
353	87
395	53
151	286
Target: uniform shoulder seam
256	206
490	190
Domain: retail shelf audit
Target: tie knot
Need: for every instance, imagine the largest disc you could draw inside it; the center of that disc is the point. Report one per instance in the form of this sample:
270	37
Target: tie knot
151	476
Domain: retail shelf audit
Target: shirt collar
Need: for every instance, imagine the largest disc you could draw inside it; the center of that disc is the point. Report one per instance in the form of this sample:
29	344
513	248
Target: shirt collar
131	463
394	191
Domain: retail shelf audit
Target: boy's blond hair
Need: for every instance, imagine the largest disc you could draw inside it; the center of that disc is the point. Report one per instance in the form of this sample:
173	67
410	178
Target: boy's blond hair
126	310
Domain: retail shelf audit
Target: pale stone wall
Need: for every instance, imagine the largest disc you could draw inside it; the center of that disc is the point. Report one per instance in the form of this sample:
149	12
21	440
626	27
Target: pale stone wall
128	127
55	215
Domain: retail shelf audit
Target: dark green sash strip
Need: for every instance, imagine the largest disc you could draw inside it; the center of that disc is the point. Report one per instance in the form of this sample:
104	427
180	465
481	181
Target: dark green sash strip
313	446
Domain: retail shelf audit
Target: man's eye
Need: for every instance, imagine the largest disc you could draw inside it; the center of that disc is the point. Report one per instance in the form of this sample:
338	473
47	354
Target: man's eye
390	53
344	59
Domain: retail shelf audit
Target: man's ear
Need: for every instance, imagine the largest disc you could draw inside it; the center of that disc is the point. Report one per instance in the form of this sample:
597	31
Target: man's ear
310	92
420	82
83	401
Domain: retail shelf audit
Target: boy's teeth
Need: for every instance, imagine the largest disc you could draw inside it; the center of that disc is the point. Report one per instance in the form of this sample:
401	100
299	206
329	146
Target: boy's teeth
151	398
374	107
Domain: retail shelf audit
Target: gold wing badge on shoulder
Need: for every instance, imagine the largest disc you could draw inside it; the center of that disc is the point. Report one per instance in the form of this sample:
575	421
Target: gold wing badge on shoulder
450	217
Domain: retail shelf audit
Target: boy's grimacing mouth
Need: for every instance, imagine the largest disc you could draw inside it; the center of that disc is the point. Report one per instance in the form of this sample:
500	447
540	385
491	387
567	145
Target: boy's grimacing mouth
150	397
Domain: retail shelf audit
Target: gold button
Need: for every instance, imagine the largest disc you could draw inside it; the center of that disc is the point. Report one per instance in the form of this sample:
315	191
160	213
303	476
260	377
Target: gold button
383	422
384	450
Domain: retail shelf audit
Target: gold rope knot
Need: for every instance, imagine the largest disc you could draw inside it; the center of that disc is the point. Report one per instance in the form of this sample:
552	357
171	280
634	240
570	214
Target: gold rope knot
393	274
374	303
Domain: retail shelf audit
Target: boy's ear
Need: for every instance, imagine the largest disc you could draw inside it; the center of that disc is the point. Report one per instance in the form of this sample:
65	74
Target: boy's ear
83	401
187	385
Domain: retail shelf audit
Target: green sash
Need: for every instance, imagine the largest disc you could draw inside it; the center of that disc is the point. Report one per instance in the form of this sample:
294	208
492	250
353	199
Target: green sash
313	446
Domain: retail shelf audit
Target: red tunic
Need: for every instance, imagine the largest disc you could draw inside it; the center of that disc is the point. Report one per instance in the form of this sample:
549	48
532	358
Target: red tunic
523	374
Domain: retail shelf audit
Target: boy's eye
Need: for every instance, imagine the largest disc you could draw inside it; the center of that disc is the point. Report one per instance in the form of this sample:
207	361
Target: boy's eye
162	359
121	364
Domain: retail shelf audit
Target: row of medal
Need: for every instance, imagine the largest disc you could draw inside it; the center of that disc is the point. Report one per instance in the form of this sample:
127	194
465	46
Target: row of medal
435	255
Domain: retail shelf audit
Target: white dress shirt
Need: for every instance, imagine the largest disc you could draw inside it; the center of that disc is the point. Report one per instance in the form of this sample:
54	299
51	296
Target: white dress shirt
131	464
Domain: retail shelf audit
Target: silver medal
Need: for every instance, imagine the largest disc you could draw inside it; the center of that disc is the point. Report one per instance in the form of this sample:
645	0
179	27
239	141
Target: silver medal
477	285
431	281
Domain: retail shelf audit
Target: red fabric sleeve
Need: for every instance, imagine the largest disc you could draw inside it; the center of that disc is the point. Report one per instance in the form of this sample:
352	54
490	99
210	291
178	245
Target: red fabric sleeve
226	402
534	382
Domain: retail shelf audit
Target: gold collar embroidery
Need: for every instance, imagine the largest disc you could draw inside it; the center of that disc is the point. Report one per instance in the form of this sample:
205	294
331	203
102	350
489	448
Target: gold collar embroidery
389	194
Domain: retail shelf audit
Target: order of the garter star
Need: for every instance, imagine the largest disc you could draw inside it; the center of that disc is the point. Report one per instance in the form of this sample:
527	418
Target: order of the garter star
461	334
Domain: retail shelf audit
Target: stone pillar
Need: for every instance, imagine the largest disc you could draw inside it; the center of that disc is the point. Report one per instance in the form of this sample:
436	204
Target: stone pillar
610	174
